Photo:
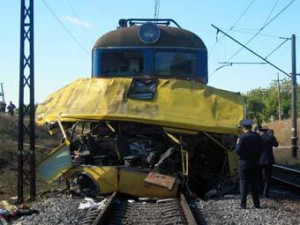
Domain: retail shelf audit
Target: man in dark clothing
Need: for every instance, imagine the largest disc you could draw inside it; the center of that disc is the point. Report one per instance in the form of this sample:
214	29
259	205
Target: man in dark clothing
11	108
248	148
266	159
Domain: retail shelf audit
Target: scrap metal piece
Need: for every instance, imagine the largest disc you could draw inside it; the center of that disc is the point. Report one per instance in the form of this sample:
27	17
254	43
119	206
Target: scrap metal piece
160	180
55	164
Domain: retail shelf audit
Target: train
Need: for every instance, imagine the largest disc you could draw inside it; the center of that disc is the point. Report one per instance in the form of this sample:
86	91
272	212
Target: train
145	123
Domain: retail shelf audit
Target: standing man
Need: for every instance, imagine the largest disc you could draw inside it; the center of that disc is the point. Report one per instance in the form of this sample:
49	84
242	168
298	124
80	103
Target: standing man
248	148
266	159
11	108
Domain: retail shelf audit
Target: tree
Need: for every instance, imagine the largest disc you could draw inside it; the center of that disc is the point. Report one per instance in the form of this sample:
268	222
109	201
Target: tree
255	105
262	103
285	97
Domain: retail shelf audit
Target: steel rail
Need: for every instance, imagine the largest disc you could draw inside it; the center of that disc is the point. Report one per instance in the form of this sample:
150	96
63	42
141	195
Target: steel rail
105	211
187	211
287	169
287	173
97	216
286	182
101	216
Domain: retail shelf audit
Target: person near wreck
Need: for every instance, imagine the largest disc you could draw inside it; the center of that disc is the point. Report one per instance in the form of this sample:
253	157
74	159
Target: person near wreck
266	159
248	148
11	108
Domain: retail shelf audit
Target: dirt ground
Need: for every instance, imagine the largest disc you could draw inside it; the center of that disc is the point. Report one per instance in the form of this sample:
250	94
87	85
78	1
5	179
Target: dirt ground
283	133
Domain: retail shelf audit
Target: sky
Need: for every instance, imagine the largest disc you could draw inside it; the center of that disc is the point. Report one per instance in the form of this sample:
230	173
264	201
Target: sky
66	30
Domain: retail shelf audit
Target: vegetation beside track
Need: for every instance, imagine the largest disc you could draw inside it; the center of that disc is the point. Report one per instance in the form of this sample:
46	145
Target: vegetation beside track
9	153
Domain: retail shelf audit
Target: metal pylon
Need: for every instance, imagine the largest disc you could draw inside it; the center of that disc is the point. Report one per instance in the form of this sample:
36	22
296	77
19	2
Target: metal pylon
26	156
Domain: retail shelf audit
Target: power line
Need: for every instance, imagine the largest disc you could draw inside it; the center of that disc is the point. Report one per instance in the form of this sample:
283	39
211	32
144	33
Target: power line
65	28
156	8
233	25
263	27
259	56
271	11
75	14
243	13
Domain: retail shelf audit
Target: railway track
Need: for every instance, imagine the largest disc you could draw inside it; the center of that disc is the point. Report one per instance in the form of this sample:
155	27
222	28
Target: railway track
287	176
121	210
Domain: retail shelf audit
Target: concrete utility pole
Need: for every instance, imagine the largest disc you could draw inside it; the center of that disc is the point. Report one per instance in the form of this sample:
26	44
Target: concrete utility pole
278	96
2	102
2	93
294	99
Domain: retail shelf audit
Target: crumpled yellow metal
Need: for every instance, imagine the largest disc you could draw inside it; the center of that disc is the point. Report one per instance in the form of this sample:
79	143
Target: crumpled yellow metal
182	104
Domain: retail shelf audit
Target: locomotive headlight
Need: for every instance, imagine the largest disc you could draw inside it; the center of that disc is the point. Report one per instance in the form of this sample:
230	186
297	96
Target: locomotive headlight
149	33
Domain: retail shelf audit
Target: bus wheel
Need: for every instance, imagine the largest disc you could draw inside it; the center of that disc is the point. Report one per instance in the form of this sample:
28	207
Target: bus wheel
83	185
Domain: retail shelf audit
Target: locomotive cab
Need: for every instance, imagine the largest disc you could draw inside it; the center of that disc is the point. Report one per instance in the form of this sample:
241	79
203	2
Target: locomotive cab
150	48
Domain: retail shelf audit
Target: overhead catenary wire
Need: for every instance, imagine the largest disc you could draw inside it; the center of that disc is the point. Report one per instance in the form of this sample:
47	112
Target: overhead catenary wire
243	13
76	16
156	8
65	28
259	56
234	24
256	34
263	27
266	35
271	12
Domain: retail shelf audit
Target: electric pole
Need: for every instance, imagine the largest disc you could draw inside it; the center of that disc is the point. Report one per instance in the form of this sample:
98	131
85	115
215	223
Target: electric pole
2	103
2	93
294	99
26	157
278	97
294	85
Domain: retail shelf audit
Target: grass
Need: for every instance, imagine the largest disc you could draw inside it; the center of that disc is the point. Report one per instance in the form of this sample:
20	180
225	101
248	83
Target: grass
9	154
284	156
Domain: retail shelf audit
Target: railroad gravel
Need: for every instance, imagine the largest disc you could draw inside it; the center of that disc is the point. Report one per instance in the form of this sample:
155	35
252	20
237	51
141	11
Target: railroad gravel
281	208
60	210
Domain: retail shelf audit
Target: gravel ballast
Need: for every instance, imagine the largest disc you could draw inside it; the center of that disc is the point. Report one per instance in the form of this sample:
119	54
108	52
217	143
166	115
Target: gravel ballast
280	208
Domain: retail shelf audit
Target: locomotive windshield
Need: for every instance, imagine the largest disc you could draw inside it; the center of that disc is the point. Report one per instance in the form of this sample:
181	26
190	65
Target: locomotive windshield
128	63
175	64
131	63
